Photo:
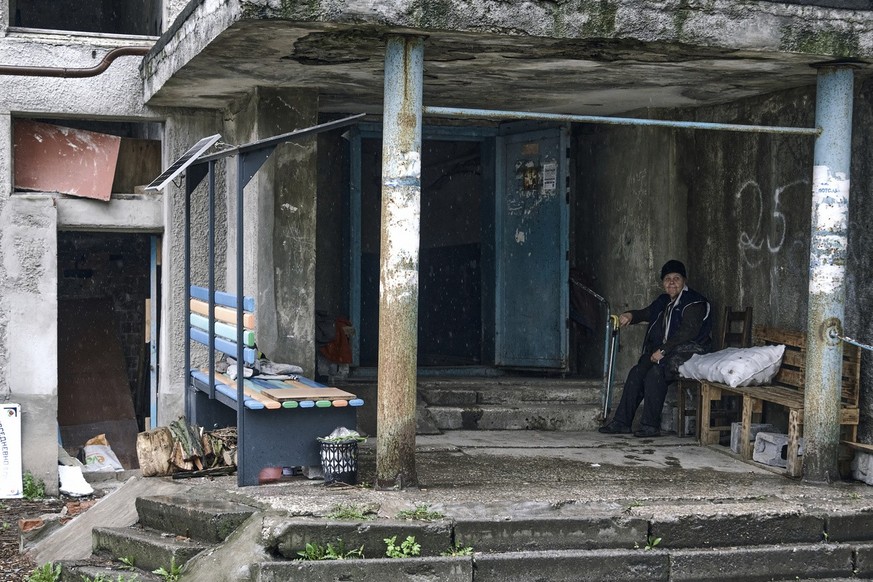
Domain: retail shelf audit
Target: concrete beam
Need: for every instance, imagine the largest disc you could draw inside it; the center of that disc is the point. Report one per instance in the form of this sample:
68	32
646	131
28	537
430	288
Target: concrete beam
117	215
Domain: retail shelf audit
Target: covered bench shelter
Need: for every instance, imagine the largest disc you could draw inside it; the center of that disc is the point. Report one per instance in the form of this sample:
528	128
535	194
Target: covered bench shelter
634	197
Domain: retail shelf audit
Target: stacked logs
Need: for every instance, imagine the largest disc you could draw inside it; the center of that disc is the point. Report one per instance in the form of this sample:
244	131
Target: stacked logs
186	448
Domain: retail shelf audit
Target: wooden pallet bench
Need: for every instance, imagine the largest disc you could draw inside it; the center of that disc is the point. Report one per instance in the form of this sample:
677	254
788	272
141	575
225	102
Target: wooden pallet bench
787	391
281	419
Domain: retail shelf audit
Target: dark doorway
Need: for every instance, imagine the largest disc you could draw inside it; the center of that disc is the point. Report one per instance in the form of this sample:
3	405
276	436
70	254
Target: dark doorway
451	261
103	354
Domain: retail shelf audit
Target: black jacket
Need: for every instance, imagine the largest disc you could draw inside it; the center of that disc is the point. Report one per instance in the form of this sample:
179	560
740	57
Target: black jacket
690	321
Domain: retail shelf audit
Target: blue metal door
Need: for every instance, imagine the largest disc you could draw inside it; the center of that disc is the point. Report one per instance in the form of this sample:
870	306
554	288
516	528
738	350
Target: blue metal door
531	236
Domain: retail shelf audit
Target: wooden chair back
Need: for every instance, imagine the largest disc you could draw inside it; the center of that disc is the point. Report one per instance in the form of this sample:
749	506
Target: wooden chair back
736	330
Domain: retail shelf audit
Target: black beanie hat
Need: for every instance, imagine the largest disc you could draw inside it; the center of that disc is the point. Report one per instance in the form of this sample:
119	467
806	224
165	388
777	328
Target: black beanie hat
673	266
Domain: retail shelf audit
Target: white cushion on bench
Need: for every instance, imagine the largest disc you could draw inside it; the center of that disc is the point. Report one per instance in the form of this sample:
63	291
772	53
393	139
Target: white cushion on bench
735	366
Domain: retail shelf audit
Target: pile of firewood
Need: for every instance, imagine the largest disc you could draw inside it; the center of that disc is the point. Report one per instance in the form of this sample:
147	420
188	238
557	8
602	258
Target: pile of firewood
186	448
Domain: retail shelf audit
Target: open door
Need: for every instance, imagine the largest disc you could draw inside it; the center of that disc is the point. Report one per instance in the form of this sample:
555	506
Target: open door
531	236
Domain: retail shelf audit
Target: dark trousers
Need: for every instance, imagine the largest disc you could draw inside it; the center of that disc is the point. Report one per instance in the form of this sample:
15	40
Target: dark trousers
646	383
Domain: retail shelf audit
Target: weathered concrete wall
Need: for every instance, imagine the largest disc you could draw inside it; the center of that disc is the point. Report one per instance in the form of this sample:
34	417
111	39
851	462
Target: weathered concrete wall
859	292
28	240
116	93
280	217
288	197
630	220
28	300
749	219
182	130
756	25
749	214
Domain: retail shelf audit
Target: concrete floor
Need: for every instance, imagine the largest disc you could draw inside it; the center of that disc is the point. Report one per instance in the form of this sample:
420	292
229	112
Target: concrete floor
513	473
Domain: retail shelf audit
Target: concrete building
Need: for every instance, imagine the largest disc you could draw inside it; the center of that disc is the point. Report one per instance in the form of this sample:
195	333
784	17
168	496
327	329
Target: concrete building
615	202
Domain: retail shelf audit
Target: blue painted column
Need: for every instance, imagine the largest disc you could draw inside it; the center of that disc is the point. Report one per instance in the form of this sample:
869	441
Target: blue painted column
398	268
827	268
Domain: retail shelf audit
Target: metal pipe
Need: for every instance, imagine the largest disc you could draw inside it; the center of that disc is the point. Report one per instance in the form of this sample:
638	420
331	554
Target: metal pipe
398	269
242	458
567	118
28	71
827	266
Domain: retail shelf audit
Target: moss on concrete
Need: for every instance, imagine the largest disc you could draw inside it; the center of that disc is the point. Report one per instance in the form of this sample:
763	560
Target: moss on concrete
828	42
601	18
433	13
291	9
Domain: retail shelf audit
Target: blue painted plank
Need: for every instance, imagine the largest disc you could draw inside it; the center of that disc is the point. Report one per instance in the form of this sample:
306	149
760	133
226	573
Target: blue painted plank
223	345
227	391
222	298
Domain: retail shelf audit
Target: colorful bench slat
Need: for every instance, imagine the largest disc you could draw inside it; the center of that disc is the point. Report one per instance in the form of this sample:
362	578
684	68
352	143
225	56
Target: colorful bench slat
225	314
222	345
222	298
224	330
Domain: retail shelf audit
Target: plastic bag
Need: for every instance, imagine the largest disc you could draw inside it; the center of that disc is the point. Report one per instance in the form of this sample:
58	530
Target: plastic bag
99	456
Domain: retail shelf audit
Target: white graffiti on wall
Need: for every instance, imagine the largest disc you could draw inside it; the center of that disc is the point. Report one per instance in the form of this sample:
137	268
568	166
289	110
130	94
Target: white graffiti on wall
770	228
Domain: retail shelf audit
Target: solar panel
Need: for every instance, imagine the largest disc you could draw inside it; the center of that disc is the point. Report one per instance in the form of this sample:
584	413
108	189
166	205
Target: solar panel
183	162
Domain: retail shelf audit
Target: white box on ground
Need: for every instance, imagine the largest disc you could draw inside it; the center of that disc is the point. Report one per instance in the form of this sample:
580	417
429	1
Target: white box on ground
754	429
771	449
10	451
862	467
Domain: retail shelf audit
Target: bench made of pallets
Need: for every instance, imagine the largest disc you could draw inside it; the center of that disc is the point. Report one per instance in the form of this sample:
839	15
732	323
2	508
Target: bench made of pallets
279	428
787	391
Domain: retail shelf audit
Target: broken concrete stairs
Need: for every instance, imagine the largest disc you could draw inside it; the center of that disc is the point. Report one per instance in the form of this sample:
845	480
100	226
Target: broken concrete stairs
638	543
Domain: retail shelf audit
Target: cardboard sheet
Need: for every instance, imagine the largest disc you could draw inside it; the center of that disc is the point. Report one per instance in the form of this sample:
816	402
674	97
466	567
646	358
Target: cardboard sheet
299	391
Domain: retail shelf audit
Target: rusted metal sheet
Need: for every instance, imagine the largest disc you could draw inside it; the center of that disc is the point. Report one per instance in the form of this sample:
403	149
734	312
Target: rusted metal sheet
827	268
398	279
51	158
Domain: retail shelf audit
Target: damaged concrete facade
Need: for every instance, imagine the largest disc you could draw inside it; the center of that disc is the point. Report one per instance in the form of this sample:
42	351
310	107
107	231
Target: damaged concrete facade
734	206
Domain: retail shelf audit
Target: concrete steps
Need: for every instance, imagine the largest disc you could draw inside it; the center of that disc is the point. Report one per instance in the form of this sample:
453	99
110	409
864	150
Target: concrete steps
690	547
512	404
669	542
170	532
493	403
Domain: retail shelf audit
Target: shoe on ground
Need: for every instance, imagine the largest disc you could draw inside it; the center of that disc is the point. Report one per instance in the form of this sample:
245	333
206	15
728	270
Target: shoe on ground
647	431
614	427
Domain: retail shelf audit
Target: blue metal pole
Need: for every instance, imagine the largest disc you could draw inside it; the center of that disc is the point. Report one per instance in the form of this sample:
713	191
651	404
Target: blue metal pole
398	270
827	266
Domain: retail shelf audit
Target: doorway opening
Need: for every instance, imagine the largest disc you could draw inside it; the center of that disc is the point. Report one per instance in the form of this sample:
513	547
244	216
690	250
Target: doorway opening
105	339
451	260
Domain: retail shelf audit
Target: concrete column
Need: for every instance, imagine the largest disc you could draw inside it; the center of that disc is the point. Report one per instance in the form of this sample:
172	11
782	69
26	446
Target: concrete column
180	133
279	215
827	266
398	271
30	310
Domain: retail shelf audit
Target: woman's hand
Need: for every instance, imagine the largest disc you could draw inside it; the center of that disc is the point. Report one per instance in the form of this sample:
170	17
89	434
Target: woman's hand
625	319
657	356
